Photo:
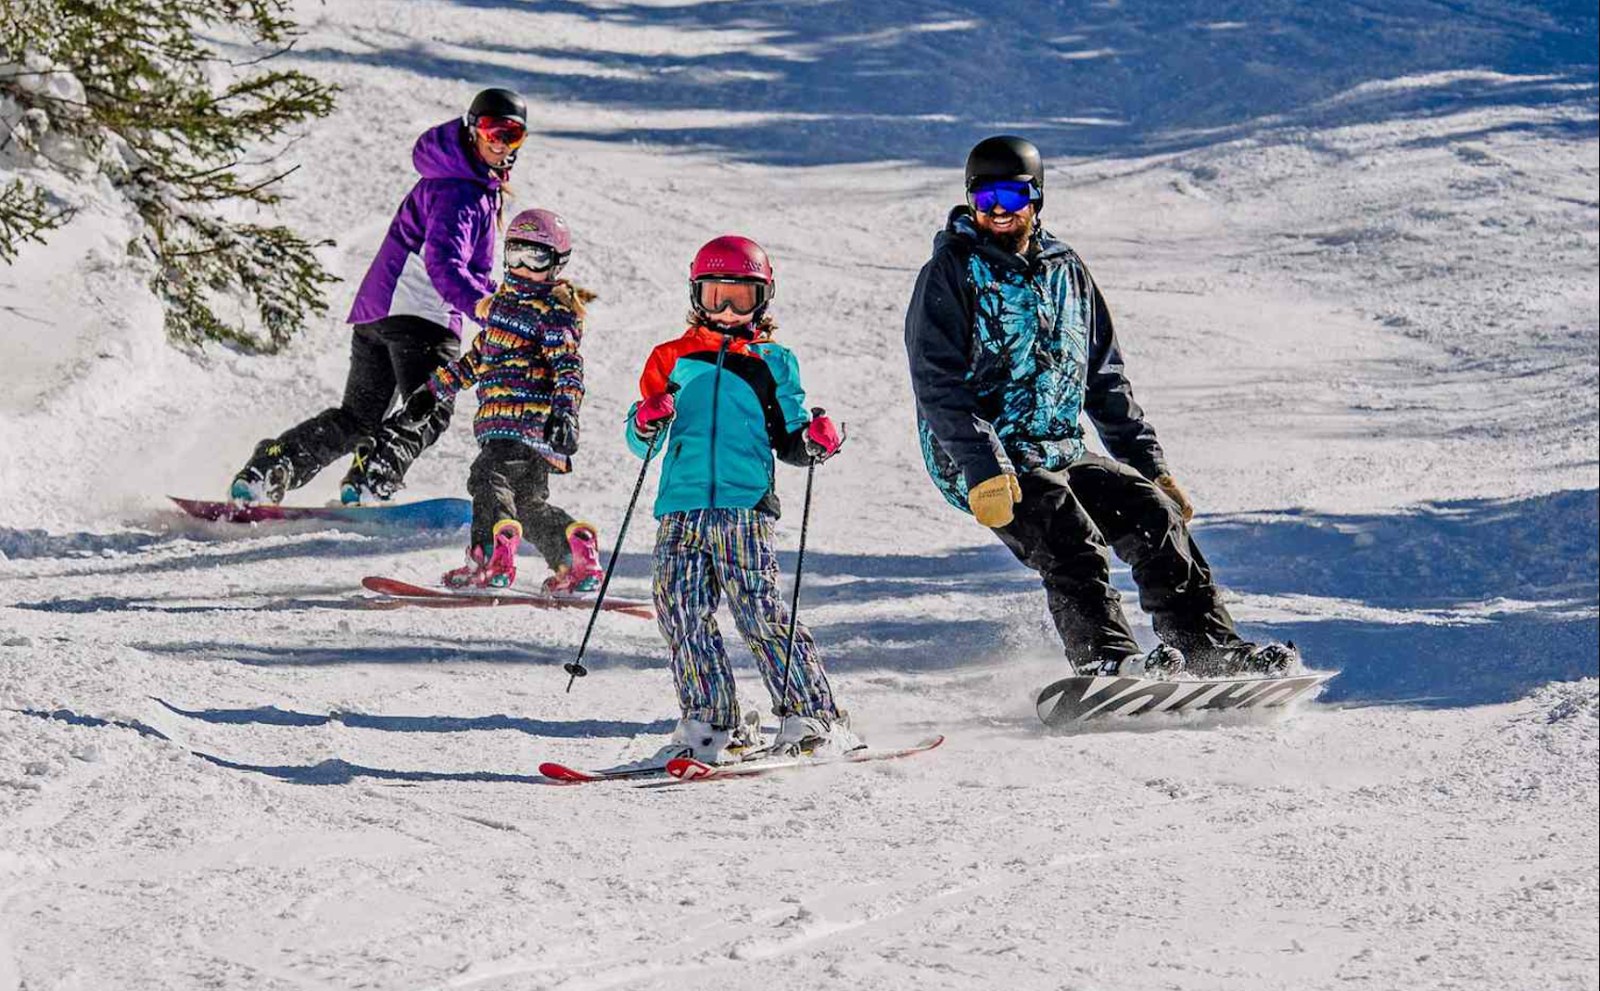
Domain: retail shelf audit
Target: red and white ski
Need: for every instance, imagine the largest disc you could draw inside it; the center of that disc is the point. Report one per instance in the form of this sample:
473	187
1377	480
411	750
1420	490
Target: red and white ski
400	593
651	768
689	769
569	775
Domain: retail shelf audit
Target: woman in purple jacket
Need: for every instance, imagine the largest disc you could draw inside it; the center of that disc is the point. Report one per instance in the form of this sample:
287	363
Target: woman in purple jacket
432	269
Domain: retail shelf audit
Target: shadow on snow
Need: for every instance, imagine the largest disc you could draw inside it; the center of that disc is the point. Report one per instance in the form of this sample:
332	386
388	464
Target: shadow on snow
854	81
576	728
1452	603
332	771
410	652
1478	600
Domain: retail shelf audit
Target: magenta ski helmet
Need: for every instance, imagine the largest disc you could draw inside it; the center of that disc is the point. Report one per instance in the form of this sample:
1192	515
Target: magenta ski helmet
734	272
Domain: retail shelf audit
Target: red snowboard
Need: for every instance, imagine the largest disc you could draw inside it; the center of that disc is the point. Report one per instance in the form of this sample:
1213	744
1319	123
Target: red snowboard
406	594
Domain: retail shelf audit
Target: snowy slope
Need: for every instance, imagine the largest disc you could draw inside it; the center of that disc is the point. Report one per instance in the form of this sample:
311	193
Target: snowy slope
1352	255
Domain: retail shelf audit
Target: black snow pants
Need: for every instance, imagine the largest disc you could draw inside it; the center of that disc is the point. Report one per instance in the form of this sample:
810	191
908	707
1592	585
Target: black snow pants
388	356
1063	528
510	481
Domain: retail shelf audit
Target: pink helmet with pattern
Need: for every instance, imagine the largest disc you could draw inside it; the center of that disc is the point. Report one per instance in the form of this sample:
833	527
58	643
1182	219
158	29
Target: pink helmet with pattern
540	226
731	272
731	257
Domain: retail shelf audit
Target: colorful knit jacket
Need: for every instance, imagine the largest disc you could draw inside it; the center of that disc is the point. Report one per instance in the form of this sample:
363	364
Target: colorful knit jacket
525	363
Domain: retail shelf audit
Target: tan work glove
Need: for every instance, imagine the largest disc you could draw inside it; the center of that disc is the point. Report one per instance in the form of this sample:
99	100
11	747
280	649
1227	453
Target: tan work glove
1174	491
991	500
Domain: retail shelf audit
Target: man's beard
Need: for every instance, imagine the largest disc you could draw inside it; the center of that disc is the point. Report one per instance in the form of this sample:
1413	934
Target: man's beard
1015	241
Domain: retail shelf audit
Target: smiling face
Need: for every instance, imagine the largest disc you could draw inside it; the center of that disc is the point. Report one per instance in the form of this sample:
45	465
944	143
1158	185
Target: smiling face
727	319
494	153
1010	229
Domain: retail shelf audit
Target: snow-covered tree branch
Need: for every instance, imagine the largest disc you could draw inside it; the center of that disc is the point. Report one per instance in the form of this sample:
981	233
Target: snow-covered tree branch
132	92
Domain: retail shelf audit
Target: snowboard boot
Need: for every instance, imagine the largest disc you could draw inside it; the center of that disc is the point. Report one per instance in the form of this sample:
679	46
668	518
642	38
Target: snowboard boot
1158	664
265	478
816	736
372	478
469	575
1270	660
501	569
583	573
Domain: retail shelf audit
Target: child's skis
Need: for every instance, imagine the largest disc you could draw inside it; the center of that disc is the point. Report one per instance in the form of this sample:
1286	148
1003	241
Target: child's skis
689	769
681	767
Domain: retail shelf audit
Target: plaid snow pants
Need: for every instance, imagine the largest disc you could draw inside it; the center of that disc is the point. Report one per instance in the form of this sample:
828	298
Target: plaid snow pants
700	554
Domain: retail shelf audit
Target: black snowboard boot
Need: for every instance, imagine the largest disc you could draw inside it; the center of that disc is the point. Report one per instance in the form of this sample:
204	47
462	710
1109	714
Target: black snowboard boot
371	478
266	478
1158	664
1268	659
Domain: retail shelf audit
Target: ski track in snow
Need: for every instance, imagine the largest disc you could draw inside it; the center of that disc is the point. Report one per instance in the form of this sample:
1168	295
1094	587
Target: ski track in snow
1356	282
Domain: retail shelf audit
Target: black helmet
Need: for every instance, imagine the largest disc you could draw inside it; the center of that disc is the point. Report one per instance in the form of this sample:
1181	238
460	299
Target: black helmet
497	103
1006	156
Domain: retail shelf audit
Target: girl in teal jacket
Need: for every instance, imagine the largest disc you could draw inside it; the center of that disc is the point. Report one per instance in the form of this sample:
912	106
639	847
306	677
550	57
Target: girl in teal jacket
718	403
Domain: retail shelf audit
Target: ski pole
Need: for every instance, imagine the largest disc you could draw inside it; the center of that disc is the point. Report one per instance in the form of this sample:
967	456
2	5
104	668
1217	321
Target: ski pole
799	569
575	668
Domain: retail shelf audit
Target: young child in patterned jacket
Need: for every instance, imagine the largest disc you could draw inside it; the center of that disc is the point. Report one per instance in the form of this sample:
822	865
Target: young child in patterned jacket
717	403
529	375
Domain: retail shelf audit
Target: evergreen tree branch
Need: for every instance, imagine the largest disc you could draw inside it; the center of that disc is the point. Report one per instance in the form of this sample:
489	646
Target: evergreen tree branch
176	143
26	215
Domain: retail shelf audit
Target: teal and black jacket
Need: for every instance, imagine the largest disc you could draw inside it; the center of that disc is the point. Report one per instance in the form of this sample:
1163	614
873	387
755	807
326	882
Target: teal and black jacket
739	401
1006	352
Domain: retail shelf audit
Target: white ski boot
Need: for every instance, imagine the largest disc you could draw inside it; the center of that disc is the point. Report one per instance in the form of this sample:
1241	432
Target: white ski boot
693	738
816	736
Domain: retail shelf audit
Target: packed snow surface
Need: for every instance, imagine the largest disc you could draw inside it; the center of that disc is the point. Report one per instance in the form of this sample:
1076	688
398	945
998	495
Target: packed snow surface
1352	256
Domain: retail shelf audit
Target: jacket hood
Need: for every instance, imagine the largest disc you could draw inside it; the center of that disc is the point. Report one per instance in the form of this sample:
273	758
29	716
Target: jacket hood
961	233
440	153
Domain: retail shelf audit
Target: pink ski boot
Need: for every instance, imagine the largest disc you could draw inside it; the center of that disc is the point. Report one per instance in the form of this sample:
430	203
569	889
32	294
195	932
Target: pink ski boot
584	573
501	571
469	575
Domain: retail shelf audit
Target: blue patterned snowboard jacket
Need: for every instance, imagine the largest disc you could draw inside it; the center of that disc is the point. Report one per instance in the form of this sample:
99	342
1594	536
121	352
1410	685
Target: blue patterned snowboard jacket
1005	353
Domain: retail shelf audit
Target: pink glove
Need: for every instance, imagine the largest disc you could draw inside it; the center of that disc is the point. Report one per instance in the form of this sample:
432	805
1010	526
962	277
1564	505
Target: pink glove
823	437
652	413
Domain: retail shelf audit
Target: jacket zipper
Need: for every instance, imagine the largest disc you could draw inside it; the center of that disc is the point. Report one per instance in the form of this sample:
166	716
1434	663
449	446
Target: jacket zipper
716	388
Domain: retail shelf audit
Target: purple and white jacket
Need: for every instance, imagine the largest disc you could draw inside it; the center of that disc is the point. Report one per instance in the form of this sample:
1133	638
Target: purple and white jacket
438	256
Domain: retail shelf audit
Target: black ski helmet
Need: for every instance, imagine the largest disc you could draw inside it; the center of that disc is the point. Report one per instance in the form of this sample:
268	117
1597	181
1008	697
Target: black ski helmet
497	103
1006	156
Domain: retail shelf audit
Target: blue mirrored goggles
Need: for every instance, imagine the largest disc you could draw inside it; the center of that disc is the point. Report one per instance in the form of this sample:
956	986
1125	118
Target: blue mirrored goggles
1008	195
